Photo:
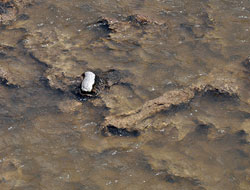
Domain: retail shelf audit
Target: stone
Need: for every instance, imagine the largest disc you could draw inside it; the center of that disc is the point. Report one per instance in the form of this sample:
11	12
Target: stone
88	81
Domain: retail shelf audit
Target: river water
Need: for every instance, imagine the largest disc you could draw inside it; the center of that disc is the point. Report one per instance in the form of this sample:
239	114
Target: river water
51	138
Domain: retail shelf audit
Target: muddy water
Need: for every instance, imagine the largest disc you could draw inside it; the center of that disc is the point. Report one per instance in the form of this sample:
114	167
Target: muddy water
50	138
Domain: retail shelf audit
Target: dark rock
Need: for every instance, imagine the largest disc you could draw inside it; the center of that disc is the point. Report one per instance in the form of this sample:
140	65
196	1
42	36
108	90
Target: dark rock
112	130
218	95
241	133
170	179
4	5
112	77
8	11
185	181
138	19
23	17
241	137
104	25
246	63
6	83
187	27
2	55
203	129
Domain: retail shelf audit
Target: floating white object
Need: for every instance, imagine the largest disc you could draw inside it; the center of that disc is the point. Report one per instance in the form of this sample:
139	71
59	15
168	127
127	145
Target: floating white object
88	81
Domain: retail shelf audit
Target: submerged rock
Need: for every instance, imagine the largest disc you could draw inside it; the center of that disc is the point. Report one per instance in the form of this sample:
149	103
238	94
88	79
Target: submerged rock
135	119
246	64
164	102
114	131
138	19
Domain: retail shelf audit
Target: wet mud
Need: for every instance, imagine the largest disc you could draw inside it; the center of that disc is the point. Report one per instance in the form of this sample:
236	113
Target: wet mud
170	108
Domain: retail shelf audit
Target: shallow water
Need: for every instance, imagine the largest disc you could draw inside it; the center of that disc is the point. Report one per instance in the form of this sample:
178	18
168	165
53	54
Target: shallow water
51	139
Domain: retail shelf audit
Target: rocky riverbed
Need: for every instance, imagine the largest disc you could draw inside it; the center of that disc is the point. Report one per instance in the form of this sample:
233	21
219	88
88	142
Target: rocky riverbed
172	110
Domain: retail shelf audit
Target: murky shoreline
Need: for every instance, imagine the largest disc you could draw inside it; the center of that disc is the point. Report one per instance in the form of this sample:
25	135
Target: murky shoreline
178	117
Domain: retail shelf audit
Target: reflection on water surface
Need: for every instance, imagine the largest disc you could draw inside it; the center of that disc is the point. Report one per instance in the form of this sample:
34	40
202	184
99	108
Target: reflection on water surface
178	117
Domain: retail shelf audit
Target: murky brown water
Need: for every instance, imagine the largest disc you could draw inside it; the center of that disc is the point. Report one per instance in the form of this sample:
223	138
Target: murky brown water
193	54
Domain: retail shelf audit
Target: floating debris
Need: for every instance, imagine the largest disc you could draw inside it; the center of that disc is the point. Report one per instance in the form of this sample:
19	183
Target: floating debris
88	81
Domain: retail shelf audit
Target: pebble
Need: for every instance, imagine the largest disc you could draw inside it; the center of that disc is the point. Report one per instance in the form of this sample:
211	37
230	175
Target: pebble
88	81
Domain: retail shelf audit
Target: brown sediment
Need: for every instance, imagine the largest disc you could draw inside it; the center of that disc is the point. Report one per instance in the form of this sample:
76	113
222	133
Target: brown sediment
62	57
178	96
16	71
151	107
9	10
114	25
165	102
